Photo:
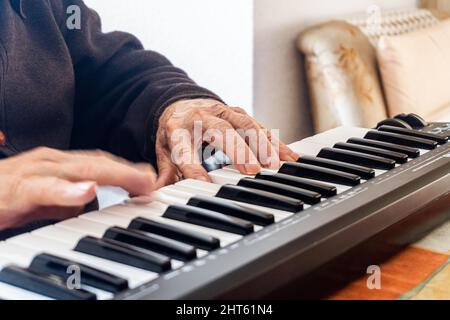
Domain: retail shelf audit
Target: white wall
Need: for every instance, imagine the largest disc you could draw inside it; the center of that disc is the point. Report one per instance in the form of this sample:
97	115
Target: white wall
242	49
280	97
210	39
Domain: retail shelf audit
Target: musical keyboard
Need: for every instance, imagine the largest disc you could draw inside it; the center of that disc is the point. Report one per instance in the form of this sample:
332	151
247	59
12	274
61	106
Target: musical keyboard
199	240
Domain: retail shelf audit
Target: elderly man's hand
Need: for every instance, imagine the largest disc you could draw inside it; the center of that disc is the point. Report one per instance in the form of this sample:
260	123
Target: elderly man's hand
48	184
187	124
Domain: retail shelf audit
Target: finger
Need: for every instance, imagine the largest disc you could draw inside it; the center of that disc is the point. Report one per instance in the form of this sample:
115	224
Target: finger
44	213
55	213
52	191
285	153
167	171
222	135
255	135
44	153
107	171
184	154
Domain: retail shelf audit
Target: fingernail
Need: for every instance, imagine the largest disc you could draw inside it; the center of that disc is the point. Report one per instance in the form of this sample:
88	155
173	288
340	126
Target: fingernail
202	178
85	186
79	189
252	168
274	163
292	158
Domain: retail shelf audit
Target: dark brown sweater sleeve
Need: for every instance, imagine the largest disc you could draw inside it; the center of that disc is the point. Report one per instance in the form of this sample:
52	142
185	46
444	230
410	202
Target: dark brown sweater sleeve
121	89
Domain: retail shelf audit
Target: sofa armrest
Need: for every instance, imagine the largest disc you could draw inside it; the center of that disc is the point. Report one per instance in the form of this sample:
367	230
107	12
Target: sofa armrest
342	76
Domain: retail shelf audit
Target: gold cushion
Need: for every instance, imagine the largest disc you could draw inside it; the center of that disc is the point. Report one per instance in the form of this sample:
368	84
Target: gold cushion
343	79
415	71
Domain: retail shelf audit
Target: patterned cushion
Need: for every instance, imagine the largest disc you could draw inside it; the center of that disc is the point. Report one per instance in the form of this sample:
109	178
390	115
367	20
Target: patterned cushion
342	70
376	23
415	69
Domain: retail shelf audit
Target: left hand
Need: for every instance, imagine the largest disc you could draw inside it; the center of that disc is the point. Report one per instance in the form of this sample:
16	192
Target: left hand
222	127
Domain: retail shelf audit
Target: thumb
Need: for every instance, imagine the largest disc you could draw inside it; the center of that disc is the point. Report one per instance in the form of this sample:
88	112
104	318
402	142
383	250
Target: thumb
167	171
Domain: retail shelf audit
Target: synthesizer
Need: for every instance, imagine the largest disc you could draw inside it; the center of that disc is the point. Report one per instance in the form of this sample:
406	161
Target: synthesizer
199	240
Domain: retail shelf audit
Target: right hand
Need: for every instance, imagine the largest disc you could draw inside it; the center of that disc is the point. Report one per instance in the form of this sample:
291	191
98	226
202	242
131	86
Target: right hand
45	184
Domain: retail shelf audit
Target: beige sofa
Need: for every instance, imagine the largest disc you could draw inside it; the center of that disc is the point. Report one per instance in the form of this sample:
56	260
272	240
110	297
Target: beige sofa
342	68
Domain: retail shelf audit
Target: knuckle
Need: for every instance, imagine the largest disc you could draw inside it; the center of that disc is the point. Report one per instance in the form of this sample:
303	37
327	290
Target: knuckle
193	171
171	126
218	123
248	122
193	115
45	153
220	110
16	185
239	110
100	154
87	170
41	151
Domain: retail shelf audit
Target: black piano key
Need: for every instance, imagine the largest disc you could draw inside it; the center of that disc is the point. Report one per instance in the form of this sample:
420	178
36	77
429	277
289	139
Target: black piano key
363	172
327	191
197	239
414	120
395	123
260	198
318	173
414	133
231	209
411	152
123	253
155	243
44	284
396	156
46	263
308	197
402	140
360	159
209	219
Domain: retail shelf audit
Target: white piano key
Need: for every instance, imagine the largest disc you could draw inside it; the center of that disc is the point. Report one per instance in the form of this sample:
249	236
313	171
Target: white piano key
6	262
206	187
101	294
223	177
202	253
154	212
234	169
8	292
15	255
167	196
304	148
105	218
83	226
40	244
340	134
66	238
183	195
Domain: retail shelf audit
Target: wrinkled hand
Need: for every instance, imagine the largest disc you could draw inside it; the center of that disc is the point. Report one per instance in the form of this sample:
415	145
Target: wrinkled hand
48	184
224	128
